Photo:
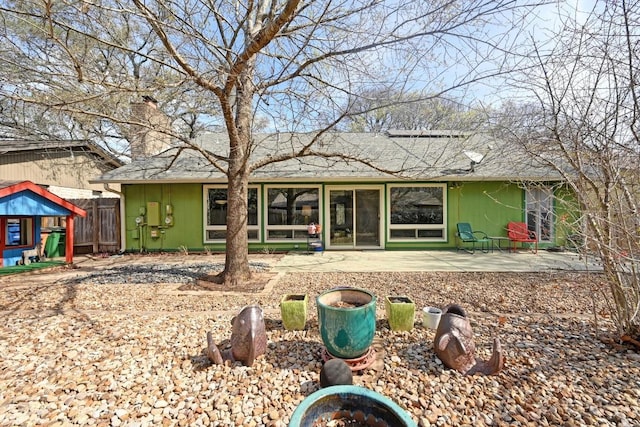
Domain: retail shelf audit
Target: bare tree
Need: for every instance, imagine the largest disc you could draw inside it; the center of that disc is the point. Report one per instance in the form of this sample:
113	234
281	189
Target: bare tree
585	124
382	109
278	65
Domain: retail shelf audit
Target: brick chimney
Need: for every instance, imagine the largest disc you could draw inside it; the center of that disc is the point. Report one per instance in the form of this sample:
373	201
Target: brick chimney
149	129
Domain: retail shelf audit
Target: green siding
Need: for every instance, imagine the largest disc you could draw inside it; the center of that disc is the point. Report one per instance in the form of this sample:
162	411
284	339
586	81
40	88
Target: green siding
488	206
567	215
186	231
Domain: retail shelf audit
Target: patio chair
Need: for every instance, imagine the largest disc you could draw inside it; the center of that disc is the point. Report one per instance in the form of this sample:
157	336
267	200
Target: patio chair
519	232
466	234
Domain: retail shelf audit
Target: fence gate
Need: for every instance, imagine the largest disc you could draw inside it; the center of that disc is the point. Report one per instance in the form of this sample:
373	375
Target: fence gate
99	231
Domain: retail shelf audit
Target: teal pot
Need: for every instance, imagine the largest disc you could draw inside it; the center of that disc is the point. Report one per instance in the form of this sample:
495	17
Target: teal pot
349	403
347	321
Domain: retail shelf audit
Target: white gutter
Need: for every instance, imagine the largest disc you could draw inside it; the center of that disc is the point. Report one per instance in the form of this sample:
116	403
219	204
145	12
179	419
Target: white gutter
123	225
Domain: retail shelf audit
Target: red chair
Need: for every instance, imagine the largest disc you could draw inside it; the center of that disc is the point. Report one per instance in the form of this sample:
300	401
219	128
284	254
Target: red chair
518	232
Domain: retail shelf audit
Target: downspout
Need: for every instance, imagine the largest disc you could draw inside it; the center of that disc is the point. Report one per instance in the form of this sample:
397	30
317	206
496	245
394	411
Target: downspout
123	225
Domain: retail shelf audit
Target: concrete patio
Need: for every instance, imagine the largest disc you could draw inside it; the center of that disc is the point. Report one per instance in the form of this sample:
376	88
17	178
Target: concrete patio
371	261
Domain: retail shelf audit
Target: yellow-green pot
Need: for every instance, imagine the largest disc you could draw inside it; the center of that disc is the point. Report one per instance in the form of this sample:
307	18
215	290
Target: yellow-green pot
401	312
293	309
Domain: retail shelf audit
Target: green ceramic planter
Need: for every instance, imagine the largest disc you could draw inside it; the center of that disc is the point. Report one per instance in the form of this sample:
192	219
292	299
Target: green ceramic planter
293	309
349	405
401	312
347	321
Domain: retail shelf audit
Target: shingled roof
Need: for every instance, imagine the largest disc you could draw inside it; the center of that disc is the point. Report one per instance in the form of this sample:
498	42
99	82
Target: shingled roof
421	156
22	145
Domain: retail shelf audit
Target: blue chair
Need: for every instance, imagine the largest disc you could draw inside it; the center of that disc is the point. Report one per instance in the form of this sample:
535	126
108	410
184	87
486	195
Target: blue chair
466	234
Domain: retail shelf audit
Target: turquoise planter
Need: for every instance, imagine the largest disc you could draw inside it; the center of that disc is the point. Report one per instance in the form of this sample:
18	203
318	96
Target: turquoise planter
349	403
347	320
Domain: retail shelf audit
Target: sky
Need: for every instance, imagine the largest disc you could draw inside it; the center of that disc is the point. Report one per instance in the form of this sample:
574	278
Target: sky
550	14
543	25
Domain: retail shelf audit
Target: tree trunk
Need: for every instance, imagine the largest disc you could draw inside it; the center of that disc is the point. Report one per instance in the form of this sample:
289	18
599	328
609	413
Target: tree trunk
236	267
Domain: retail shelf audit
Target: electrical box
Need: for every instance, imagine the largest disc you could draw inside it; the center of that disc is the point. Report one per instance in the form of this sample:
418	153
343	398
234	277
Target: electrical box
168	215
135	234
153	214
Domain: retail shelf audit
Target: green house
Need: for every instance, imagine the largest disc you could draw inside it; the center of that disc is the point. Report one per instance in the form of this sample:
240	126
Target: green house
396	191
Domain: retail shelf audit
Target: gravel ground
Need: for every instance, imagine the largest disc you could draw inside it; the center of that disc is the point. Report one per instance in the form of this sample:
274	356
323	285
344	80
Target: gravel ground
119	344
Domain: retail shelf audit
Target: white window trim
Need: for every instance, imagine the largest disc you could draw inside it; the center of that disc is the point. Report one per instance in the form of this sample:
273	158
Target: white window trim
442	227
206	227
302	229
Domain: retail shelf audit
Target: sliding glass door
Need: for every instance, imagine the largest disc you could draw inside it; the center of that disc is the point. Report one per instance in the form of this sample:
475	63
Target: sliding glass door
354	216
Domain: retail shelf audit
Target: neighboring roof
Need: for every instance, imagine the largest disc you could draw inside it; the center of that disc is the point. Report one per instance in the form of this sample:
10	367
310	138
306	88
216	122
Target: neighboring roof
19	198
20	145
421	156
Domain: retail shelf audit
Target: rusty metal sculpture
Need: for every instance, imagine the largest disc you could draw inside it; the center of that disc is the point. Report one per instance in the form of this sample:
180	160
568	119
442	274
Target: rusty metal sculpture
248	338
454	345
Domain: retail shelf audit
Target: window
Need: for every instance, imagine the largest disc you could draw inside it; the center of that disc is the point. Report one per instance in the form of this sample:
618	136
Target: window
215	205
540	212
19	232
49	222
290	210
417	212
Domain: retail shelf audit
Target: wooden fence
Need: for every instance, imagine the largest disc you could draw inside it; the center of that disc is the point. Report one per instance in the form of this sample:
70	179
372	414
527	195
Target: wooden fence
99	231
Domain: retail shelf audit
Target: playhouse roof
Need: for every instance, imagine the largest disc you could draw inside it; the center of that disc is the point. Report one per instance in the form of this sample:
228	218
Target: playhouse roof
24	198
417	156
